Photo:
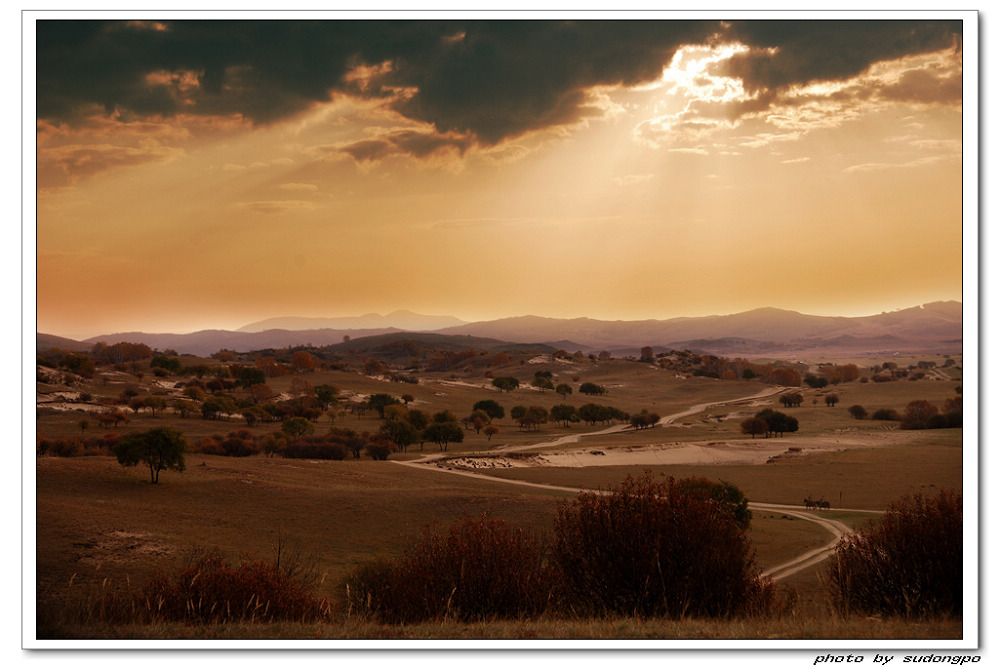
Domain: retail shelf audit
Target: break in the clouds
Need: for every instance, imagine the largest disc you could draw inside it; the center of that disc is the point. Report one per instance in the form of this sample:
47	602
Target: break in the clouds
472	82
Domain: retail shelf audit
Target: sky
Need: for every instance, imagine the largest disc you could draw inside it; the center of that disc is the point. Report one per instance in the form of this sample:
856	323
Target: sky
209	174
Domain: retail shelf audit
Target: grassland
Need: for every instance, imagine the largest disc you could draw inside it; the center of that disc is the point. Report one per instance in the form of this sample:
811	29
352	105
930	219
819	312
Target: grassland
100	525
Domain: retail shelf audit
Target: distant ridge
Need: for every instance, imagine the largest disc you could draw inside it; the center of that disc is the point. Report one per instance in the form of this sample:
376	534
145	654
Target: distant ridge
401	319
933	327
206	342
762	330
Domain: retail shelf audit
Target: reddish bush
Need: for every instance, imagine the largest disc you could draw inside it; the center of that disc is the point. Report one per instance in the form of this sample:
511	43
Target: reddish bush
649	549
210	590
72	447
315	448
907	564
479	569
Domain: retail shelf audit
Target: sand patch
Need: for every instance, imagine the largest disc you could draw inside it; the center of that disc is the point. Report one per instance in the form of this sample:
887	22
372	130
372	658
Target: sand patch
731	452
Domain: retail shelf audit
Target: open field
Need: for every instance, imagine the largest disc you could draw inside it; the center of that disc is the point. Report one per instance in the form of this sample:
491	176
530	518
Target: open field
97	520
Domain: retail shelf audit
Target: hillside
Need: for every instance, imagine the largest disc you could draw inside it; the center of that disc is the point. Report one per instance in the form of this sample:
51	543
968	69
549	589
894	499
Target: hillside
758	331
402	320
206	342
767	331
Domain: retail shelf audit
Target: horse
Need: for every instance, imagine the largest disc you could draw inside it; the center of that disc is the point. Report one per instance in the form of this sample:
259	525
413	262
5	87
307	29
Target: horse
823	504
810	504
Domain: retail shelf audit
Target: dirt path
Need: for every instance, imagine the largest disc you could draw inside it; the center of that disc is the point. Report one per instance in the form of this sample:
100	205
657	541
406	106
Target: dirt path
836	528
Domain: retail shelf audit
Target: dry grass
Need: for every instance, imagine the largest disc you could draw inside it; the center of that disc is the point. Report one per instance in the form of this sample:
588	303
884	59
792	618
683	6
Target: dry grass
766	633
97	521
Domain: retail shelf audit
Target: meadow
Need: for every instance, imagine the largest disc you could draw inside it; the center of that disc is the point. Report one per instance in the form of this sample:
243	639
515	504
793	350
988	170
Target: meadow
102	526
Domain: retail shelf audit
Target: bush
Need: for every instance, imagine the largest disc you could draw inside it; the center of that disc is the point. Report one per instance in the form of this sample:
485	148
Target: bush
211	591
314	448
378	449
886	414
479	569
918	415
907	564
651	549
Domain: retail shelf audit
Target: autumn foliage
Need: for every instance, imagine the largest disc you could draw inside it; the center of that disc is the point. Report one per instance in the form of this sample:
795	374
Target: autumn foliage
907	564
656	548
479	569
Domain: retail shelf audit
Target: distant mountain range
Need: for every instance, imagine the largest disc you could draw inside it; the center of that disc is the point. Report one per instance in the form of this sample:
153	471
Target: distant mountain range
402	320
934	327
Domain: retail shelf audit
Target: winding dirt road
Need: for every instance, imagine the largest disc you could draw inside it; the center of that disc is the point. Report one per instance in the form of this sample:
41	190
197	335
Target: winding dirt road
836	528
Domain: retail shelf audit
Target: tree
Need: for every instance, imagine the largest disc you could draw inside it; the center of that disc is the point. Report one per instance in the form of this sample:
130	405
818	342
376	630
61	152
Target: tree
644	419
814	381
832	399
791	399
785	376
326	395
564	389
543	382
754	426
534	417
726	494
589	388
442	434
379	401
777	422
261	392
506	383
646	354
303	361
858	412
160	448
918	414
250	376
297	427
564	414
489	431
491	408
399	432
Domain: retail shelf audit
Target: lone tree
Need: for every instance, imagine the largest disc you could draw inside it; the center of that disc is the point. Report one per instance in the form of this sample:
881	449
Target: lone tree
589	388
160	448
506	383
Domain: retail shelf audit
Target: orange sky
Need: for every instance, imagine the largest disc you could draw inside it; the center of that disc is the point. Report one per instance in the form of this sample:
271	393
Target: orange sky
736	173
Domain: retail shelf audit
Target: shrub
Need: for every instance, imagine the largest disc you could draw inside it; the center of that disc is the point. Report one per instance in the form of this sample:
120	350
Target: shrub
211	591
314	448
651	549
479	569
907	564
918	414
886	414
378	449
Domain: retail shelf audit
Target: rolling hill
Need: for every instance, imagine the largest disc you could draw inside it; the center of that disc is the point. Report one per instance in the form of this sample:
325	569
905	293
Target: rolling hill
931	327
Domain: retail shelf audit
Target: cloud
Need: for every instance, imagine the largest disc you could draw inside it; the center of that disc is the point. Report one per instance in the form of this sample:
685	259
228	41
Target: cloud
406	142
485	81
77	161
277	206
630	179
797	52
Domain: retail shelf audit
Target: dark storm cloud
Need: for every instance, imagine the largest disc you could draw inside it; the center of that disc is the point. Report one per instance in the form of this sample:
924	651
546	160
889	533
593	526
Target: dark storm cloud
489	80
806	51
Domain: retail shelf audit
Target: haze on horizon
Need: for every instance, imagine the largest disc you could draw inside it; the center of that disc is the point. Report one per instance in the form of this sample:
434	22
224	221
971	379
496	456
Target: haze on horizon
195	175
